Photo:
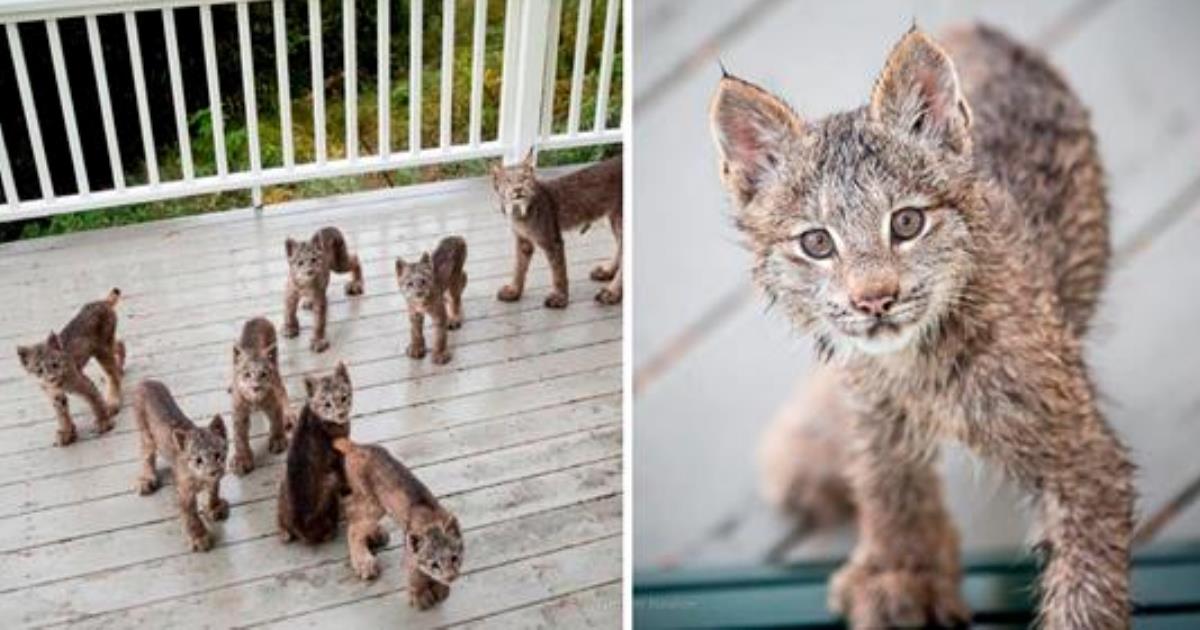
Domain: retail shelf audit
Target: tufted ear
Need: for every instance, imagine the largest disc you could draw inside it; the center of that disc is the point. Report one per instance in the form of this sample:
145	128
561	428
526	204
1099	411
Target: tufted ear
528	162
272	353
425	258
237	354
316	242
754	131
310	386
918	93
451	527
342	372
25	353
53	342
399	267
179	437
290	246
217	426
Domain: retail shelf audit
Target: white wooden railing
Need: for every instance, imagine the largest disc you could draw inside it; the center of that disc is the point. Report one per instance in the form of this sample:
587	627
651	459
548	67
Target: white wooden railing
531	39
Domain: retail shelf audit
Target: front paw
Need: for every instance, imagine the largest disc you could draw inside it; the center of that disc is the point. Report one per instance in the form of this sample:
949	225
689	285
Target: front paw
319	344
873	597
556	300
427	594
219	510
291	331
365	566
416	351
146	485
354	288
608	296
603	274
200	539
104	425
278	443
441	358
66	436
241	464
508	293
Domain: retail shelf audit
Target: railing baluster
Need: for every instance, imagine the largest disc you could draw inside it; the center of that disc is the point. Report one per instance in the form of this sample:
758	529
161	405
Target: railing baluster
215	110
106	112
181	125
478	39
7	183
447	92
282	77
548	88
139	90
383	81
318	78
416	35
248	95
31	120
350	72
606	64
68	106
530	65
508	82
581	43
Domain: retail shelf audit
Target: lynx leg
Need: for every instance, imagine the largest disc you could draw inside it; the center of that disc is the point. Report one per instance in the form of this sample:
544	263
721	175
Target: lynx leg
524	254
82	385
218	508
605	271
119	353
905	570
320	313
355	286
454	298
243	457
441	355
612	293
112	368
556	255
276	412
197	534
66	426
291	300
364	521
147	481
416	331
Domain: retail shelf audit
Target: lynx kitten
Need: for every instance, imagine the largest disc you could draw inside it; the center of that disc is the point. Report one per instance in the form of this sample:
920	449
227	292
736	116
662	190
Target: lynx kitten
945	245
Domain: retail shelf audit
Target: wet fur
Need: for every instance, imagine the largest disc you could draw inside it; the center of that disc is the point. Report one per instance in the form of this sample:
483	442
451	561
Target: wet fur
434	286
196	456
310	264
257	386
381	485
59	361
1001	287
555	206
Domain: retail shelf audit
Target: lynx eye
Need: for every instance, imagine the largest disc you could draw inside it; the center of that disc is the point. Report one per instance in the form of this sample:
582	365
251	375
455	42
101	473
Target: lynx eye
907	223
817	243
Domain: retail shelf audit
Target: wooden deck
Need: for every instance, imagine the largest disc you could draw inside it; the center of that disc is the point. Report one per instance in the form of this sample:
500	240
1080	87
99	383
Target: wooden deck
697	426
520	434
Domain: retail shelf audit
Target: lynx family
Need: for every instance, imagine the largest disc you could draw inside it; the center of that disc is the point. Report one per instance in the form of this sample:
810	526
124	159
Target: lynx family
945	245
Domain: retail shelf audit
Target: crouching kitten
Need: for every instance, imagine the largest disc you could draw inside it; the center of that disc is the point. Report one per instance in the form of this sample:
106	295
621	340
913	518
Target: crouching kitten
379	485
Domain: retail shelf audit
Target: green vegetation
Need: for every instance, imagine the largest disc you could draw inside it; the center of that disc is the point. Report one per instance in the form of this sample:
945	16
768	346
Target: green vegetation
236	139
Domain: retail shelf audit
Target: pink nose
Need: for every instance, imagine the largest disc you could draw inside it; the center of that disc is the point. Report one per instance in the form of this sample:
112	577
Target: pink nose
875	305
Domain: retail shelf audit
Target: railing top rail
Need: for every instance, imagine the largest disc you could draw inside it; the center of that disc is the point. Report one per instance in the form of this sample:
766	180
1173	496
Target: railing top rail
30	10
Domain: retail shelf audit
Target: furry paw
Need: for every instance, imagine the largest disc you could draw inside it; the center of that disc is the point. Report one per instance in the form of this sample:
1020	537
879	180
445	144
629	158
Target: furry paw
415	351
869	597
319	344
365	566
146	485
354	288
454	323
441	358
219	511
201	541
556	300
241	463
608	296
291	331
278	443
508	293
603	274
378	539
104	425
427	595
67	436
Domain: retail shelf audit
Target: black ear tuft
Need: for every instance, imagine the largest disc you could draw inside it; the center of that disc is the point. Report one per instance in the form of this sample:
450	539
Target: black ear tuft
918	93
217	426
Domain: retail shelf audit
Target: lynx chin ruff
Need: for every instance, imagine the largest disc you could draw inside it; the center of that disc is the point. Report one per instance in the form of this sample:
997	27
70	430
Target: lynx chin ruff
945	245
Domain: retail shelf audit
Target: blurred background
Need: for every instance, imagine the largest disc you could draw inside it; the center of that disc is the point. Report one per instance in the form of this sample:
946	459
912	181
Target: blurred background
711	368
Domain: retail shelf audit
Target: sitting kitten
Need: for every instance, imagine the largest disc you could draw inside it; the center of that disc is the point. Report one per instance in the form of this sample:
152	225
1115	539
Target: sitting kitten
379	485
309	266
946	244
257	386
313	479
541	210
434	287
59	361
196	455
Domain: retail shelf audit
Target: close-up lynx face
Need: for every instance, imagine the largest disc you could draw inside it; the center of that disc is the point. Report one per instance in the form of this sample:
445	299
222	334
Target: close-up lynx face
47	361
306	260
254	372
856	221
438	550
416	279
203	450
515	185
331	397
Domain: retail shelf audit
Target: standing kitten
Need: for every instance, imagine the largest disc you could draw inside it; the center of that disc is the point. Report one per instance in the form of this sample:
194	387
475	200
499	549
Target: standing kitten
540	211
257	386
313	479
309	266
58	363
434	287
946	244
379	485
196	455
